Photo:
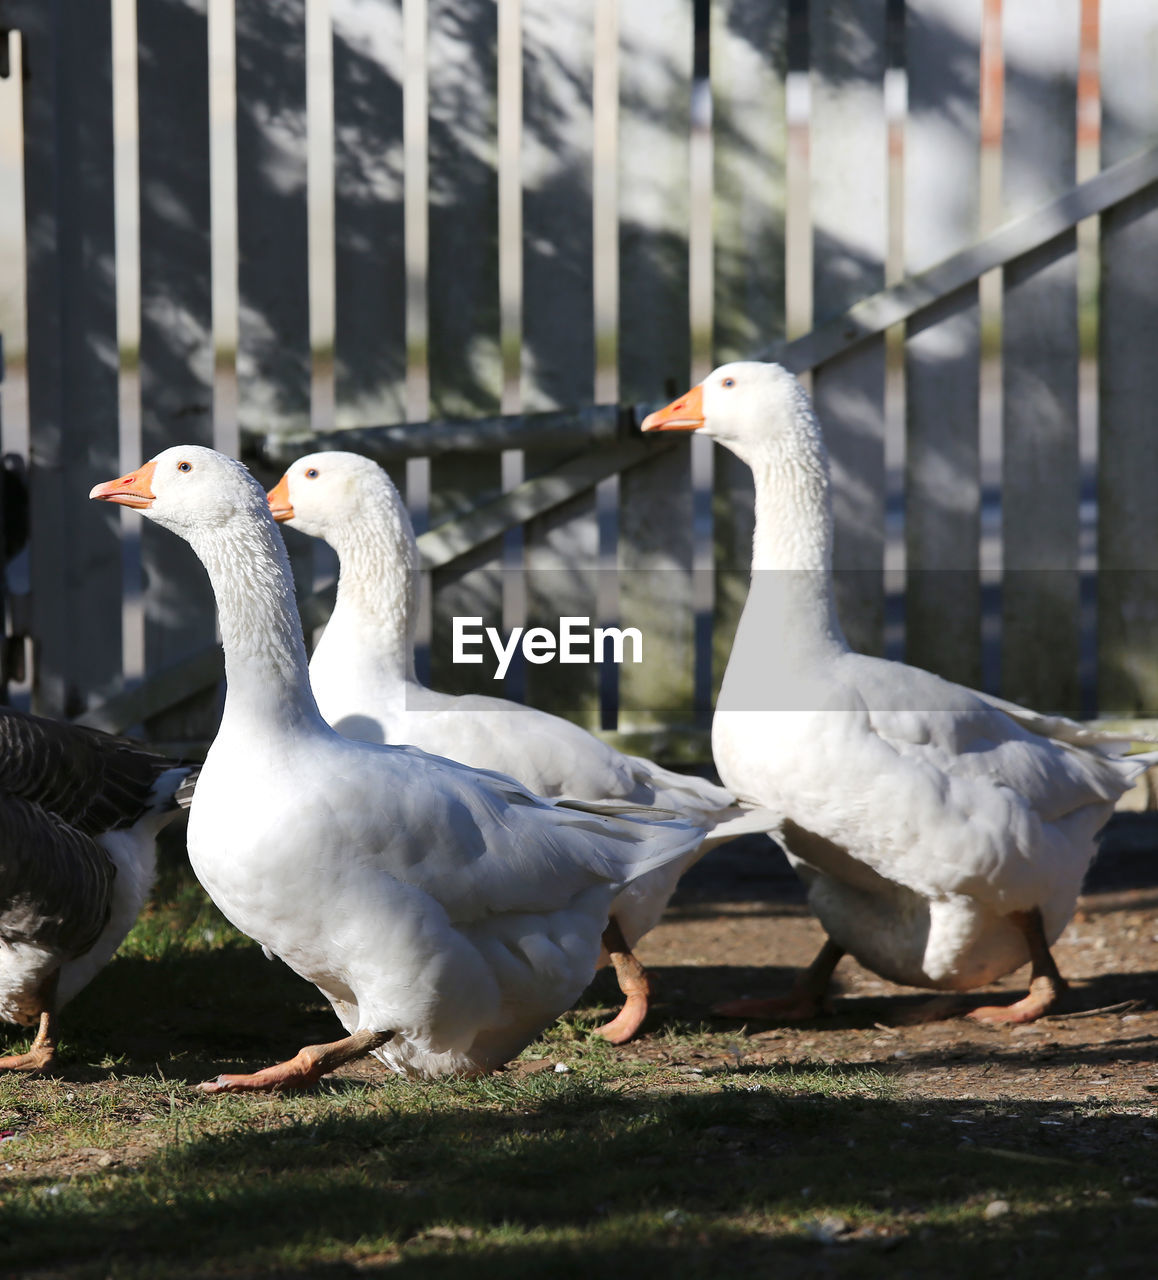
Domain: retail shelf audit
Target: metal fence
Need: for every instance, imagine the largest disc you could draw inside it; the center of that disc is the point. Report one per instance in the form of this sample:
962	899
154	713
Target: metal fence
535	211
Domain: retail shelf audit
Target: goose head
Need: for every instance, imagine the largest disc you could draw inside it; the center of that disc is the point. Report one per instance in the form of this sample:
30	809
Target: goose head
351	503
758	411
322	492
220	510
763	415
188	489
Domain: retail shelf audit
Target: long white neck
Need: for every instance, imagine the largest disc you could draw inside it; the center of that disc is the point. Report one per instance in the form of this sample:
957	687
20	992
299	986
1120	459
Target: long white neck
789	626
265	657
375	612
792	543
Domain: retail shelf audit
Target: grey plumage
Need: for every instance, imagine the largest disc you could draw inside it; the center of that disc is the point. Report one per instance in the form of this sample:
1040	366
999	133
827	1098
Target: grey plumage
75	804
93	781
56	881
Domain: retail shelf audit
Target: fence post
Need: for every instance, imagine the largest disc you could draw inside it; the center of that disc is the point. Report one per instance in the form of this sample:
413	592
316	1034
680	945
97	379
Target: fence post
558	339
655	507
850	237
273	356
463	300
943	346
273	344
1128	375
369	223
176	353
72	352
749	66
1041	480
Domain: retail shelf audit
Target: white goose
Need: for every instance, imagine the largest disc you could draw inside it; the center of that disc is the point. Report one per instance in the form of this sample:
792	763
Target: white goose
362	673
79	815
942	834
447	915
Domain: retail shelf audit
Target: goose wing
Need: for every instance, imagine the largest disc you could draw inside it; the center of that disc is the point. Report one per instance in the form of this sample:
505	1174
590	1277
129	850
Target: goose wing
945	792
56	881
480	843
94	782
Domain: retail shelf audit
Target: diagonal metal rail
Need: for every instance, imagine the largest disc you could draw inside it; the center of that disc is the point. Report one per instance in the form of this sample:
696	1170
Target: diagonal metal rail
608	424
439	548
566	430
574	429
909	297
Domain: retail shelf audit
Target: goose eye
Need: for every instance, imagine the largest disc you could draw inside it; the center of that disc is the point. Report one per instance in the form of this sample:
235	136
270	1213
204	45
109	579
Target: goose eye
184	466
729	382
312	473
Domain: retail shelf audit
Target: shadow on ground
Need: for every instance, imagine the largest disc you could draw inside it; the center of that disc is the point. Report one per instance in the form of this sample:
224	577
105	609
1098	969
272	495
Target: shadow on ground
567	1177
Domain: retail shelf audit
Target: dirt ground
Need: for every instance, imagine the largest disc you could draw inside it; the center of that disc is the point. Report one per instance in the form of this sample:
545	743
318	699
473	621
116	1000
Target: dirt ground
739	927
1060	1116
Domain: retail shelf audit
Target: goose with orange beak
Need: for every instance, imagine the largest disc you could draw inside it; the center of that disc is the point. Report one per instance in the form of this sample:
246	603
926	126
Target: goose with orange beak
942	834
448	915
363	676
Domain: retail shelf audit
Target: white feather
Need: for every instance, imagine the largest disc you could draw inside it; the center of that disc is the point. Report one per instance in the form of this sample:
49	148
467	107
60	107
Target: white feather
919	813
453	908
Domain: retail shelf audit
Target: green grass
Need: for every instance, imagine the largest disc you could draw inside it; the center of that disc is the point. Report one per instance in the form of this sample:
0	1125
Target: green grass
675	1158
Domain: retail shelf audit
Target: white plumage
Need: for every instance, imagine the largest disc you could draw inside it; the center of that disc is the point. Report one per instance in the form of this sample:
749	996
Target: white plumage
362	673
448	915
943	835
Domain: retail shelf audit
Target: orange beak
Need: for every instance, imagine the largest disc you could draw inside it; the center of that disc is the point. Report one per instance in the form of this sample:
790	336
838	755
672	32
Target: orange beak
279	500
132	490
684	414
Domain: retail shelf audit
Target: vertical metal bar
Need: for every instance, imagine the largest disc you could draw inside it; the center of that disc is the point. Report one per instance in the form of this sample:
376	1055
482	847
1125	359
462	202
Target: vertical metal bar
273	358
72	351
943	347
749	68
176	347
463	298
1040	467
1127	374
558	315
369	231
655	533
849	145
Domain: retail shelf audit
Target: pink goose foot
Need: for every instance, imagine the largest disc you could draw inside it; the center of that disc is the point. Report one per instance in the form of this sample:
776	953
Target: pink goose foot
635	984
41	1053
1046	985
307	1068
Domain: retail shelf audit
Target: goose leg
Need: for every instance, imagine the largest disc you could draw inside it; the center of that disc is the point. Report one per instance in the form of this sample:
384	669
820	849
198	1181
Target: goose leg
633	982
307	1068
42	1052
1046	985
802	1002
